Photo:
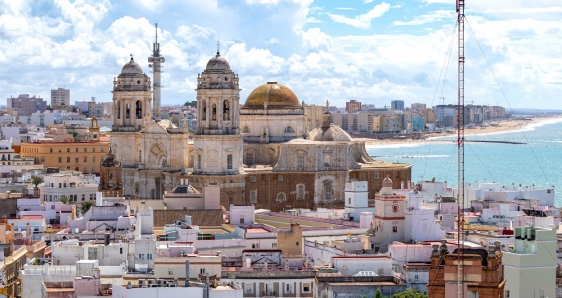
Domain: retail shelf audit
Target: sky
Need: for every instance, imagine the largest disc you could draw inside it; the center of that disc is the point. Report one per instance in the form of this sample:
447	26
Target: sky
367	50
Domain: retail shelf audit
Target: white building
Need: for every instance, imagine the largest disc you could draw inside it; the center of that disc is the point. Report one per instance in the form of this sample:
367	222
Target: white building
67	252
530	267
512	193
356	199
77	187
13	162
42	118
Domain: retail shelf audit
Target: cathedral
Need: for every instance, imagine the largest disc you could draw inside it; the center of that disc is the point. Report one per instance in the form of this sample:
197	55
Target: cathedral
258	153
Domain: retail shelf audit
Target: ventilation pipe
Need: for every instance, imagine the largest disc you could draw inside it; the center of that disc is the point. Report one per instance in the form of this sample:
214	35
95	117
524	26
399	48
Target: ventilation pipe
187	274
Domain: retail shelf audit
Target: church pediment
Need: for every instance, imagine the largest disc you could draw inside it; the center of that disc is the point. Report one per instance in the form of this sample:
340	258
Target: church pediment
154	128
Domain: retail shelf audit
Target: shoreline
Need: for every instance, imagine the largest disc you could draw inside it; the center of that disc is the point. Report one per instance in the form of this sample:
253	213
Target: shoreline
503	127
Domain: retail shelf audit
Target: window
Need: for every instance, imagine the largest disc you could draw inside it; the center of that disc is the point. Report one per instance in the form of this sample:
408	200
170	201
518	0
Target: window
297	244
229	162
328	192
248	288
83	197
60	159
249	158
306	287
67	149
93	159
241	220
327	160
199	161
92	197
42	159
300	161
253	196
85	159
170	271
85	149
68	159
256	245
76	159
149	256
394	229
300	191
349	201
93	149
280	178
120	250
101	149
93	169
416	277
50	150
52	206
202	271
376	176
141	256
253	179
394	208
288	288
289	129
281	197
76	149
273	245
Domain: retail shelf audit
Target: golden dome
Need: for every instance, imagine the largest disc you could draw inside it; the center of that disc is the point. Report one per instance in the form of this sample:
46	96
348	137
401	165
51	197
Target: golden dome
272	96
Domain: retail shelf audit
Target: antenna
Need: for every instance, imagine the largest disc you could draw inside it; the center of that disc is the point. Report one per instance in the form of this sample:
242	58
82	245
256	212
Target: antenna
460	147
156	28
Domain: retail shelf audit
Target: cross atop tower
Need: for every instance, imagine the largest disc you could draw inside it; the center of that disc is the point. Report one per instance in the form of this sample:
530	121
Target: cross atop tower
219	44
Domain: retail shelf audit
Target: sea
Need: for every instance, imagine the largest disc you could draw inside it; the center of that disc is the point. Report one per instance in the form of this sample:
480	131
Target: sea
538	161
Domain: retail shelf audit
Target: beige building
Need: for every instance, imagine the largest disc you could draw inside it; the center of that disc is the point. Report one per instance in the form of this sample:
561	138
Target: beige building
313	116
60	97
151	153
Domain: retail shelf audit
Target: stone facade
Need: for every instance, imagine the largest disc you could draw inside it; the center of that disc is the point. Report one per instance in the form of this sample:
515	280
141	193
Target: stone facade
152	153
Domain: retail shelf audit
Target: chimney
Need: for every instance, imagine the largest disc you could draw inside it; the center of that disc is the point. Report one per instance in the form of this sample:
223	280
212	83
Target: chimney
106	238
187	274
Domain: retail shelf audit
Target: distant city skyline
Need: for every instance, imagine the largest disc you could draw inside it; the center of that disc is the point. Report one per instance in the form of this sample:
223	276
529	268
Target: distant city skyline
370	51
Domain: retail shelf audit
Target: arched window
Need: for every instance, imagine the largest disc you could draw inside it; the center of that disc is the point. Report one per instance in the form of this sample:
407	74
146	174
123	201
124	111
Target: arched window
246	129
327	191
225	110
128	112
118	110
300	191
289	129
138	109
204	114
214	117
281	197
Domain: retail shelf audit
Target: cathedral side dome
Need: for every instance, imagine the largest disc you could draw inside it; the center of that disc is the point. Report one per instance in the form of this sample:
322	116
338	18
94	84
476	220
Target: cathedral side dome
131	68
218	63
332	133
272	96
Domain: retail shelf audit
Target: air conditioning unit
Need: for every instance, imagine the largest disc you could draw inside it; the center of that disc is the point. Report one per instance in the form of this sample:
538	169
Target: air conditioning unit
142	283
172	285
153	286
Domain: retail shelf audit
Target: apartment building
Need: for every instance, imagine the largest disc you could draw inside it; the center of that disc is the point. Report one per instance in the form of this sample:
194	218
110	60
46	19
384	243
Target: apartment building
72	185
25	105
77	156
60	97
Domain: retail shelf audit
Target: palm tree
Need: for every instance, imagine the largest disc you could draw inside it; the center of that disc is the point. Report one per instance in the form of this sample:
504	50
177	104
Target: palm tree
36	180
86	206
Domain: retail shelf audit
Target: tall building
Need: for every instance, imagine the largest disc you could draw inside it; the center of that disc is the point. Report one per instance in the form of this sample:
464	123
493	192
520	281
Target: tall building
352	106
60	97
217	143
313	116
397	105
530	267
151	152
25	105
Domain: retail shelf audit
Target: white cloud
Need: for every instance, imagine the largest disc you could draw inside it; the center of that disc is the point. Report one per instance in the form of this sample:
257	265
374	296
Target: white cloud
194	35
266	2
151	5
362	21
273	40
345	8
315	38
434	16
313	20
368	1
260	61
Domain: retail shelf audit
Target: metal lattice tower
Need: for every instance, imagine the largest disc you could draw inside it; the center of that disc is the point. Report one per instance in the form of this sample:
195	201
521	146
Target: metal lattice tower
460	146
155	60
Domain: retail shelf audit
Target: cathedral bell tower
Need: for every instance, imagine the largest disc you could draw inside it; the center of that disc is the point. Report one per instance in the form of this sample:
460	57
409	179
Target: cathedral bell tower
131	99
217	143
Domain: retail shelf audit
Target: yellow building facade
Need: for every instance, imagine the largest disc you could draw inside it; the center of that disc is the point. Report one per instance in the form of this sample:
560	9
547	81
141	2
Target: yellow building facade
77	156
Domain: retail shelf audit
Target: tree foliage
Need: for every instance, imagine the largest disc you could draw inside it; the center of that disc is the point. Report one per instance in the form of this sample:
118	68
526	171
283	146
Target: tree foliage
410	294
85	206
63	199
36	180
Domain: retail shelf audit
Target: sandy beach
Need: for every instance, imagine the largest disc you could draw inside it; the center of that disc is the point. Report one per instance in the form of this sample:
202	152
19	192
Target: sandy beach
499	127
